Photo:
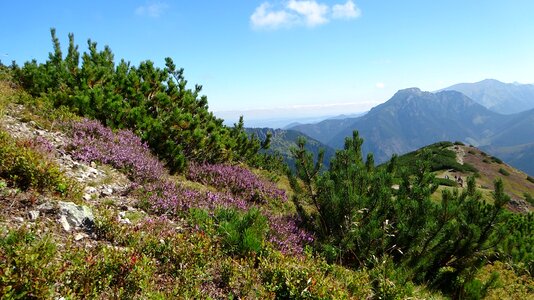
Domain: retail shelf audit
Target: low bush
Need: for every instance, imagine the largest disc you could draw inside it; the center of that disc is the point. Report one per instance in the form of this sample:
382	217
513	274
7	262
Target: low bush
242	233
504	172
445	181
26	164
531	179
27	267
529	198
496	159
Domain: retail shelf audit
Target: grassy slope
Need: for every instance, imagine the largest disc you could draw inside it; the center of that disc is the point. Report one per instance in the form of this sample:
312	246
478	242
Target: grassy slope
457	160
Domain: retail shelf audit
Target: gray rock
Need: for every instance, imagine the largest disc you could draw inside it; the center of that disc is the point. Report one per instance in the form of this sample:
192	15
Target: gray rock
46	207
77	215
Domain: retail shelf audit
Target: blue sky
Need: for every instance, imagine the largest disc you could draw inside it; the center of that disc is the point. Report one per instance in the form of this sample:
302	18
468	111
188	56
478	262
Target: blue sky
293	56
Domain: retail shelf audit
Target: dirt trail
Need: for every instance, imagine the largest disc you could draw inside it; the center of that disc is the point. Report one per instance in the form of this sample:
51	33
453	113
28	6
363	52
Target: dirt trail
460	153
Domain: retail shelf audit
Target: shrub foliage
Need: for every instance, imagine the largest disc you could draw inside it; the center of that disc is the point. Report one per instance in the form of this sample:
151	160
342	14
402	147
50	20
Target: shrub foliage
154	102
362	221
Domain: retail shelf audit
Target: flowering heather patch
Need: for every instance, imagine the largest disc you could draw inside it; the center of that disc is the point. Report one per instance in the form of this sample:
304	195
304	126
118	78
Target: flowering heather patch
237	180
166	197
122	149
286	235
44	145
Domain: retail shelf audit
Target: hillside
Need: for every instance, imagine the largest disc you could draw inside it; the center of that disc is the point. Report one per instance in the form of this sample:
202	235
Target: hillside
504	98
457	160
282	141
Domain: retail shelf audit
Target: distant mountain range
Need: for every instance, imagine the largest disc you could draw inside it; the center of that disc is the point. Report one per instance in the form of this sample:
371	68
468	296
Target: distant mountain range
413	118
504	98
283	140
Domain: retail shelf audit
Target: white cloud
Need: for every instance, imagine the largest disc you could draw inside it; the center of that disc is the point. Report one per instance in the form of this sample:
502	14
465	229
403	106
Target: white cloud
349	10
308	13
263	16
313	12
153	10
380	85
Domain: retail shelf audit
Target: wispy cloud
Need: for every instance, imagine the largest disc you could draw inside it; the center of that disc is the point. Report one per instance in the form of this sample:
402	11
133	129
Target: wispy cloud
153	10
346	11
380	85
312	12
308	13
265	17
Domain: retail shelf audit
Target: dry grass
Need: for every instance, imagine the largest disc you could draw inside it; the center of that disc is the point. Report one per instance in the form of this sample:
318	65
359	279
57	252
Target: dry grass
515	184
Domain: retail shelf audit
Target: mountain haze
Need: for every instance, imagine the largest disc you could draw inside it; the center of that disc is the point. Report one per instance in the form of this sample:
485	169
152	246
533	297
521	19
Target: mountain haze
504	98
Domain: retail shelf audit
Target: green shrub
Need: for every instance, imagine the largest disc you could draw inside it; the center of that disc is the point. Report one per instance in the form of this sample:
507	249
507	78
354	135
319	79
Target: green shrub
25	167
504	172
458	143
109	272
530	179
26	265
154	102
242	233
445	182
529	198
496	159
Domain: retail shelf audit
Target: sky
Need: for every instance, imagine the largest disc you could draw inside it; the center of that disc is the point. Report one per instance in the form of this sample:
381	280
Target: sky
292	58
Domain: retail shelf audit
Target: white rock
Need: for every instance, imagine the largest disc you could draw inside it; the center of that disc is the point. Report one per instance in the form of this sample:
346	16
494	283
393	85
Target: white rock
19	219
33	214
79	236
90	190
107	192
64	223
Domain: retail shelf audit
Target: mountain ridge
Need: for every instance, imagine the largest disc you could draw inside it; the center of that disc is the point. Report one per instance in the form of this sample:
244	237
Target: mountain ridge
413	118
505	98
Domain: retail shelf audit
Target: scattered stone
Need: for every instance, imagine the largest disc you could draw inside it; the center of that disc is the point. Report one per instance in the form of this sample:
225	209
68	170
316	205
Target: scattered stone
33	214
64	223
87	197
519	205
19	219
80	236
90	190
46	207
123	219
106	192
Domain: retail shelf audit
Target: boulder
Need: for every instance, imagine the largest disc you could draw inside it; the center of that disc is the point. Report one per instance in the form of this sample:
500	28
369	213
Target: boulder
76	215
